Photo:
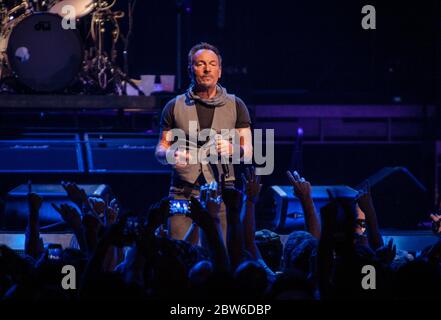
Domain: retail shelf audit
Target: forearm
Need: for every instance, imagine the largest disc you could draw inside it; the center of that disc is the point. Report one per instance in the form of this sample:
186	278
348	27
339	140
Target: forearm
32	239
324	266
246	153
248	221
91	239
192	235
235	240
95	264
216	247
271	275
161	153
373	230
312	220
250	238
81	239
135	270
111	260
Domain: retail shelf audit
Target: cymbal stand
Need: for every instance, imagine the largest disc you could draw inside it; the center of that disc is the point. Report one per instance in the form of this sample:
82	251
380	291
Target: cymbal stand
104	68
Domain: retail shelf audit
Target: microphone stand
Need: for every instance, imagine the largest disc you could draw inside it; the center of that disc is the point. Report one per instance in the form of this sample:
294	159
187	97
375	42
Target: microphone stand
102	64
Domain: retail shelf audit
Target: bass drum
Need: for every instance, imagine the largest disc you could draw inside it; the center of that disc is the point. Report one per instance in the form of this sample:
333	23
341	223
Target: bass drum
81	7
41	53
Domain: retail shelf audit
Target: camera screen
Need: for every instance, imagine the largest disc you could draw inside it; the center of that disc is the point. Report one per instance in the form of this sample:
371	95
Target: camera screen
54	253
179	207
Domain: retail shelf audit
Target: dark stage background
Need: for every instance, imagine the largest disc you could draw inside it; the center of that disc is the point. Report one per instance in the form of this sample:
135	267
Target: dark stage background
299	49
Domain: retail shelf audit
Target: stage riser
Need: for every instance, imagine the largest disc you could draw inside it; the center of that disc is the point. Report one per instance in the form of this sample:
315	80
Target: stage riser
409	242
16	241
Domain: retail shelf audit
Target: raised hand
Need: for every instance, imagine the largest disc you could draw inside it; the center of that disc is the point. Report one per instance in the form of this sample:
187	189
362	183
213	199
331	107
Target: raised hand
366	205
436	223
302	188
199	214
211	200
364	198
112	212
387	252
69	214
212	232
76	195
158	214
34	203
231	197
114	233
97	205
92	223
114	205
251	185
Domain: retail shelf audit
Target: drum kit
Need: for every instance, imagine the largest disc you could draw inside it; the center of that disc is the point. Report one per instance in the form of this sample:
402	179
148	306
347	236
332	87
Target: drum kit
39	54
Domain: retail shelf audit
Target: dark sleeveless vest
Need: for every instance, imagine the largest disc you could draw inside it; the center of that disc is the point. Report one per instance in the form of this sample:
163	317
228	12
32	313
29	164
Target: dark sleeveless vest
224	118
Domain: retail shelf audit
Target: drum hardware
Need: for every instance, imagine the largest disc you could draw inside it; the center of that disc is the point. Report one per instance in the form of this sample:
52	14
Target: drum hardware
126	38
36	60
41	5
103	67
15	12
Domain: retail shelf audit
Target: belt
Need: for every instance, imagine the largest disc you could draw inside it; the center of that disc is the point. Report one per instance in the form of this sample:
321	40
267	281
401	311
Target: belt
185	185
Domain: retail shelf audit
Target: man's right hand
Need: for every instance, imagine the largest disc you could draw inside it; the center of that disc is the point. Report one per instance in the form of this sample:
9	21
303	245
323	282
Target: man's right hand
181	158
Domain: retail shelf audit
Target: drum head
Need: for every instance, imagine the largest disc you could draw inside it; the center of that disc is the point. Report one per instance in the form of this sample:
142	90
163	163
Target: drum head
43	55
82	7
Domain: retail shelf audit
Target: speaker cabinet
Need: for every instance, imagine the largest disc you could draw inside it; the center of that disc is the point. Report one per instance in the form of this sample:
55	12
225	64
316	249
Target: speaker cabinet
16	208
123	153
288	210
41	153
401	200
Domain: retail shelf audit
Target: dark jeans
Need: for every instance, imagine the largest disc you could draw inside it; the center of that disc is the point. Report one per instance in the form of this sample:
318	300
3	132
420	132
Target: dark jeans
178	225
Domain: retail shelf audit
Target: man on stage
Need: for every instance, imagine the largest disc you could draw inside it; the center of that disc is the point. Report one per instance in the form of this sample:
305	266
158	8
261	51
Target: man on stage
205	105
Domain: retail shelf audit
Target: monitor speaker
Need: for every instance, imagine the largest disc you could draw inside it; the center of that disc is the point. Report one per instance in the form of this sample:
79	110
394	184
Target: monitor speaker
288	213
123	153
35	152
401	200
15	215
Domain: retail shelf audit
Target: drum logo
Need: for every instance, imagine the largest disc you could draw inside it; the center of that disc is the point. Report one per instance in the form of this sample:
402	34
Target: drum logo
22	54
43	26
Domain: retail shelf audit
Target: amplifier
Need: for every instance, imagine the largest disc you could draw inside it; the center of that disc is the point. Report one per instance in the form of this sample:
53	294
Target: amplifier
288	210
123	153
16	211
41	153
